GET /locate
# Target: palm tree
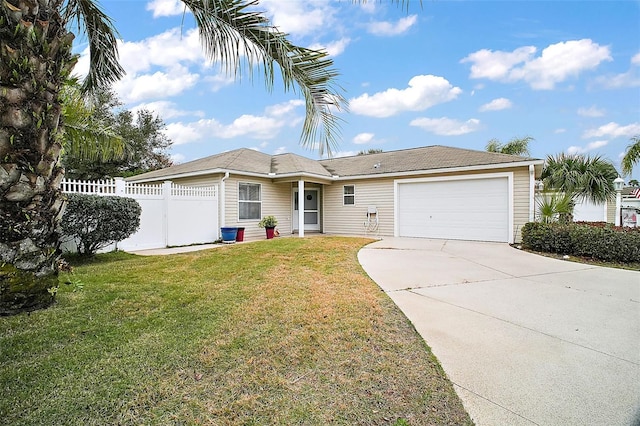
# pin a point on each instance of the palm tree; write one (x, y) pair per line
(632, 156)
(36, 59)
(516, 146)
(581, 176)
(87, 135)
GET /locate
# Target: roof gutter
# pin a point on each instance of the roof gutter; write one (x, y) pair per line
(342, 178)
(227, 172)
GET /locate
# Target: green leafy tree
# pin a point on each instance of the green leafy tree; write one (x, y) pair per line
(631, 156)
(35, 60)
(516, 146)
(581, 176)
(370, 151)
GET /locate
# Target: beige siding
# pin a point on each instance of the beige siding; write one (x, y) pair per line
(521, 201)
(276, 201)
(611, 211)
(349, 220)
(341, 219)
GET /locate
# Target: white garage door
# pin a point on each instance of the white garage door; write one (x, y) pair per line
(469, 209)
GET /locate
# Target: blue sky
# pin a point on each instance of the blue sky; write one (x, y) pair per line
(455, 73)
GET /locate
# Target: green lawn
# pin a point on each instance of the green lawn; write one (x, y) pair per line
(286, 331)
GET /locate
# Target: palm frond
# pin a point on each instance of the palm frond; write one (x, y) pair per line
(493, 145)
(517, 146)
(233, 33)
(583, 176)
(553, 206)
(631, 156)
(104, 67)
(85, 136)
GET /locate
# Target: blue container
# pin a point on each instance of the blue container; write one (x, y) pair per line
(229, 234)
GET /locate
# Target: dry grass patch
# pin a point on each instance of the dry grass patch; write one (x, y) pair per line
(289, 331)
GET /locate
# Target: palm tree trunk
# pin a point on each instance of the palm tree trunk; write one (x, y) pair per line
(35, 57)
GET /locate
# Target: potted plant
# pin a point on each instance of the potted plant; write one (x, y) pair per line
(268, 223)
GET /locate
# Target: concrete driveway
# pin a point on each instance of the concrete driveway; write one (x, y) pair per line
(526, 340)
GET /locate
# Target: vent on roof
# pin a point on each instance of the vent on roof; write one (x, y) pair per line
(377, 165)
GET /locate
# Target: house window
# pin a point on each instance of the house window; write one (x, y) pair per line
(249, 201)
(348, 195)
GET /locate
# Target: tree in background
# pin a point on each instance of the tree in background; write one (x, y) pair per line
(35, 60)
(516, 146)
(89, 133)
(370, 151)
(145, 144)
(631, 156)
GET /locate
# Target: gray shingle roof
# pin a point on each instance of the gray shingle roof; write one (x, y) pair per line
(416, 159)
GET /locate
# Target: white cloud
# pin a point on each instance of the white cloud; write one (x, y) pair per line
(246, 125)
(160, 66)
(557, 63)
(165, 50)
(559, 131)
(363, 138)
(134, 88)
(613, 130)
(266, 126)
(630, 78)
(299, 17)
(166, 7)
(497, 105)
(447, 126)
(178, 158)
(497, 65)
(385, 28)
(284, 108)
(341, 154)
(424, 91)
(334, 48)
(280, 150)
(218, 81)
(573, 150)
(592, 111)
(164, 109)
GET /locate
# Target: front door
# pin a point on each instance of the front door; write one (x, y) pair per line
(311, 210)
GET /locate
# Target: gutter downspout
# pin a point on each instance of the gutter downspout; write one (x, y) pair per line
(222, 202)
(532, 192)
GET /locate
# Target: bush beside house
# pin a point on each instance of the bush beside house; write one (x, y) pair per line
(599, 241)
(95, 221)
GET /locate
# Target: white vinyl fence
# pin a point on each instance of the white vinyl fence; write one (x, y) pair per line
(172, 215)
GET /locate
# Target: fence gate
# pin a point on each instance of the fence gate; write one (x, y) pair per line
(172, 215)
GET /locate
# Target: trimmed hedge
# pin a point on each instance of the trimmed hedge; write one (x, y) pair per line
(95, 221)
(598, 241)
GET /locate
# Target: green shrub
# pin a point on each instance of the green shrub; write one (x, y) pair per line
(548, 237)
(95, 221)
(598, 241)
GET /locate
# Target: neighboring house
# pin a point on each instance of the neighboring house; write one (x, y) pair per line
(588, 211)
(430, 192)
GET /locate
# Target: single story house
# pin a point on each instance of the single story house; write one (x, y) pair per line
(430, 192)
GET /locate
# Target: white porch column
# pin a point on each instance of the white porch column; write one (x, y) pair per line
(301, 208)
